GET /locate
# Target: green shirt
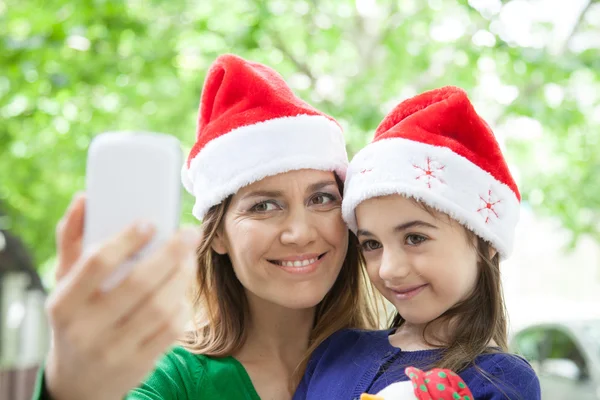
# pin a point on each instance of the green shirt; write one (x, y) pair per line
(181, 375)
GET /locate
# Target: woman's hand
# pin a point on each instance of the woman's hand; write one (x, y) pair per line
(104, 343)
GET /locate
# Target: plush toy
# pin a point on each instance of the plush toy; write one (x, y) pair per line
(437, 384)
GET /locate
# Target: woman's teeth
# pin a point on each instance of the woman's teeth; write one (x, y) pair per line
(302, 263)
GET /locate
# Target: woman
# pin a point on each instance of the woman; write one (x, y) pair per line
(278, 271)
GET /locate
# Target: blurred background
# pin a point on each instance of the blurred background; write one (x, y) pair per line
(70, 70)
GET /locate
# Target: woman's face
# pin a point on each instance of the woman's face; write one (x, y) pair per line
(286, 238)
(423, 263)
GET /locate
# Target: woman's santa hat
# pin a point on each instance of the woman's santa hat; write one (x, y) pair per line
(436, 149)
(251, 126)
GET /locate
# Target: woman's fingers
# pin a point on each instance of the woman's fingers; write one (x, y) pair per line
(76, 289)
(160, 309)
(145, 278)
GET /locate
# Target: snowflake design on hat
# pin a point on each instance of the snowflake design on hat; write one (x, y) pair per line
(429, 171)
(488, 206)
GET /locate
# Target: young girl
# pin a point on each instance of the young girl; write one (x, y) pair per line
(434, 207)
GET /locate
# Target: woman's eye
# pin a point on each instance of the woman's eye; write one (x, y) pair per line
(370, 245)
(321, 199)
(264, 206)
(413, 240)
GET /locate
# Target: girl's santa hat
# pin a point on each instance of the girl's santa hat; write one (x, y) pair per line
(250, 126)
(436, 149)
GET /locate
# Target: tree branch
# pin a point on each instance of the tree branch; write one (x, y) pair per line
(281, 46)
(367, 52)
(577, 25)
(301, 66)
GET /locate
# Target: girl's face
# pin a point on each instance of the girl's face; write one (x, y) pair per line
(286, 238)
(423, 264)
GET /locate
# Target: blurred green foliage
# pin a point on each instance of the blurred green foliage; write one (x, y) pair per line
(70, 70)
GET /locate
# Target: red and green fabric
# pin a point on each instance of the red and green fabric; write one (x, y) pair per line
(438, 384)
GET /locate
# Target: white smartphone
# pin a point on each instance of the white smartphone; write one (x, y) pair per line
(131, 176)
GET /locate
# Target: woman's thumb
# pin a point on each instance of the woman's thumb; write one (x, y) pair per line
(69, 235)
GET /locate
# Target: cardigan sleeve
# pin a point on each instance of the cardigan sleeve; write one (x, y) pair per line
(511, 377)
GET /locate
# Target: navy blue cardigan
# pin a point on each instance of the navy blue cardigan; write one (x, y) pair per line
(352, 362)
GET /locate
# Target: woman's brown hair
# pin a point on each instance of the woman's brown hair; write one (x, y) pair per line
(477, 321)
(221, 308)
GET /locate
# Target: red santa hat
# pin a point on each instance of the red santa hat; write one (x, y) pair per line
(436, 149)
(250, 126)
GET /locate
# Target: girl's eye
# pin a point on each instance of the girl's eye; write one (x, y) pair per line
(413, 239)
(370, 245)
(322, 199)
(264, 206)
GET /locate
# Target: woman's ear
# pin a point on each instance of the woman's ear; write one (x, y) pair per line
(219, 244)
(492, 252)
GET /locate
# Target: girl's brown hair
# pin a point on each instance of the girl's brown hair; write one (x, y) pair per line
(477, 321)
(221, 308)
